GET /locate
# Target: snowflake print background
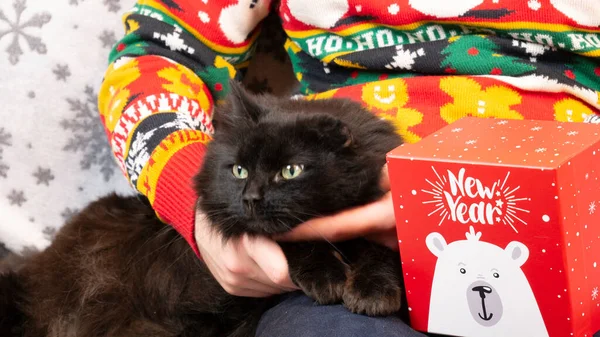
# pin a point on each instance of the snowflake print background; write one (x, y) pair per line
(19, 29)
(88, 135)
(111, 5)
(4, 141)
(54, 158)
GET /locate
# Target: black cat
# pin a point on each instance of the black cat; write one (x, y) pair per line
(116, 270)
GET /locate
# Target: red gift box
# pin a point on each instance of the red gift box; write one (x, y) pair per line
(498, 228)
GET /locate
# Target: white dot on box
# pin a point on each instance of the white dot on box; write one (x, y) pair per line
(414, 192)
(546, 218)
(558, 296)
(595, 264)
(577, 234)
(409, 309)
(401, 206)
(543, 250)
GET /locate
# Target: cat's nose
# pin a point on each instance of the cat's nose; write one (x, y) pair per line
(252, 193)
(250, 201)
(252, 197)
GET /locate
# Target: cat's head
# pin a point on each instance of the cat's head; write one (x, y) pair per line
(275, 163)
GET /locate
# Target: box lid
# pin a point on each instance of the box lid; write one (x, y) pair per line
(521, 143)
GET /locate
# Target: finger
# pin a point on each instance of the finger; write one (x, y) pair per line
(243, 292)
(265, 280)
(384, 182)
(270, 259)
(249, 286)
(237, 281)
(240, 285)
(374, 217)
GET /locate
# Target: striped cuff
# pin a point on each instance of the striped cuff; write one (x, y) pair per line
(174, 199)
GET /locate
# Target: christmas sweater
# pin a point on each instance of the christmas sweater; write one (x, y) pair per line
(421, 64)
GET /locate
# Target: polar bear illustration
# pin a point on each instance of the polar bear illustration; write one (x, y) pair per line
(479, 289)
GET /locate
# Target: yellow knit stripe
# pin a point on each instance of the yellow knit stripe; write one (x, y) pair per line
(159, 158)
(593, 53)
(114, 93)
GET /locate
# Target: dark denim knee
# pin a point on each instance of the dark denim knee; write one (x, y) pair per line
(298, 316)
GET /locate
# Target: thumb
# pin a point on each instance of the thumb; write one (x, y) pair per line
(384, 180)
(269, 257)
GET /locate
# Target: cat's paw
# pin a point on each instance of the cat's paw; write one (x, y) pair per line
(373, 294)
(324, 285)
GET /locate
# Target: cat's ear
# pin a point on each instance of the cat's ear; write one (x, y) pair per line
(331, 131)
(240, 108)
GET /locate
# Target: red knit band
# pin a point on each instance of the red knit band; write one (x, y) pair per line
(175, 197)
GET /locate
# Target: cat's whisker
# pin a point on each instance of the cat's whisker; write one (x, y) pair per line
(329, 242)
(319, 233)
(284, 224)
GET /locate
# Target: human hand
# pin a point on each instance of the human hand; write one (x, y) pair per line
(249, 266)
(374, 221)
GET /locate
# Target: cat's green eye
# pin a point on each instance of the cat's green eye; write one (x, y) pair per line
(291, 171)
(239, 172)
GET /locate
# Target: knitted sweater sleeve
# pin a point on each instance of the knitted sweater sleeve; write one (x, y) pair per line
(156, 100)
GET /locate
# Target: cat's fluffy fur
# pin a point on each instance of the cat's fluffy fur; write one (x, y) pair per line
(116, 270)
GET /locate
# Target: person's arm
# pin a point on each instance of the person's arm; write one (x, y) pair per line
(156, 101)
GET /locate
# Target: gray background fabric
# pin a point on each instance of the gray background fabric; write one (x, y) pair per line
(54, 156)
